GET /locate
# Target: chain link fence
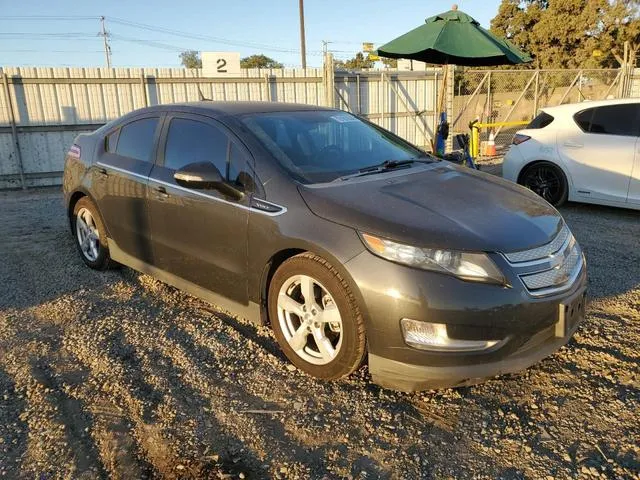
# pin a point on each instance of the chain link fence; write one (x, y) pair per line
(514, 97)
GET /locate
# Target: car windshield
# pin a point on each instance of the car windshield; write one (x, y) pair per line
(322, 145)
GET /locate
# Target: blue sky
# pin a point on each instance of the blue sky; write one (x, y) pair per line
(247, 26)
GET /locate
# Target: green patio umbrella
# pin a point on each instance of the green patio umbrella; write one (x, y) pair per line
(455, 38)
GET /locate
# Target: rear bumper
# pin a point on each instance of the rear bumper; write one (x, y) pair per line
(407, 378)
(512, 164)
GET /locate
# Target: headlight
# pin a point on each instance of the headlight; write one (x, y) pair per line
(477, 267)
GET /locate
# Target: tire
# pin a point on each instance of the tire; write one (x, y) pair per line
(333, 301)
(548, 181)
(96, 255)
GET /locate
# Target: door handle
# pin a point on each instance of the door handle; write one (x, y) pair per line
(161, 192)
(570, 144)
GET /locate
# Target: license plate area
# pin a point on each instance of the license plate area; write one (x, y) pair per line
(570, 312)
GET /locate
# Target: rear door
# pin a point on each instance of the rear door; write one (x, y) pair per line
(599, 150)
(120, 175)
(634, 183)
(201, 235)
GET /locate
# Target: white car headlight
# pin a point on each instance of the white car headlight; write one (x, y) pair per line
(477, 267)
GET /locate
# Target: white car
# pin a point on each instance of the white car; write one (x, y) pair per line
(584, 152)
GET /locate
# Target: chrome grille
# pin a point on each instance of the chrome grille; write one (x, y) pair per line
(551, 268)
(540, 252)
(556, 276)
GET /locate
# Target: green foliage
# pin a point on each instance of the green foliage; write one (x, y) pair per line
(191, 59)
(356, 63)
(259, 61)
(390, 62)
(571, 33)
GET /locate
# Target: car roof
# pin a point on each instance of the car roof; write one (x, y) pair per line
(571, 108)
(232, 108)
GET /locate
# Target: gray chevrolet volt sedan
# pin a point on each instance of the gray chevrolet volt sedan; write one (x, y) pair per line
(350, 242)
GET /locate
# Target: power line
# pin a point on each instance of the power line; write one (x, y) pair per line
(150, 43)
(207, 38)
(48, 17)
(50, 51)
(40, 34)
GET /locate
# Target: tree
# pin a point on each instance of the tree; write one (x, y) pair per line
(191, 59)
(259, 61)
(570, 33)
(390, 62)
(356, 63)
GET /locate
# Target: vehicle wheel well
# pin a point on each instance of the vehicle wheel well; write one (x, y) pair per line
(537, 162)
(72, 202)
(270, 268)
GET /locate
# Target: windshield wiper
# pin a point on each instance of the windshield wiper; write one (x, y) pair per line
(384, 167)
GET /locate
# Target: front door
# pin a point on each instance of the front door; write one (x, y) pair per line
(200, 235)
(600, 153)
(120, 175)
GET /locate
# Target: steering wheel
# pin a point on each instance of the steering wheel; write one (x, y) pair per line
(329, 152)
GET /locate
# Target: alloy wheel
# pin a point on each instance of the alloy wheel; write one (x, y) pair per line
(546, 181)
(87, 234)
(309, 319)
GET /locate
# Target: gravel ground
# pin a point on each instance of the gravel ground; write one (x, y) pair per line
(118, 375)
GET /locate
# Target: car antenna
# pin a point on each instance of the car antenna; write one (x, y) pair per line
(202, 97)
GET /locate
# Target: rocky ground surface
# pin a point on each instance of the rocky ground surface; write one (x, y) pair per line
(118, 375)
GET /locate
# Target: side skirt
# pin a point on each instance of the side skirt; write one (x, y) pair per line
(250, 312)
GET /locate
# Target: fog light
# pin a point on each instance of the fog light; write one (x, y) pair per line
(433, 336)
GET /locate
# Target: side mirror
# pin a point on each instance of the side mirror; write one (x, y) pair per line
(205, 176)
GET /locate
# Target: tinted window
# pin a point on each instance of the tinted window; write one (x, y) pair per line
(110, 142)
(540, 121)
(136, 139)
(583, 119)
(321, 145)
(190, 141)
(615, 120)
(237, 164)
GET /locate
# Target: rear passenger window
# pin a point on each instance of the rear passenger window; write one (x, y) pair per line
(190, 141)
(541, 121)
(110, 142)
(616, 120)
(136, 139)
(583, 119)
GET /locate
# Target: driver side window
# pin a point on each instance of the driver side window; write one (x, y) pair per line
(190, 141)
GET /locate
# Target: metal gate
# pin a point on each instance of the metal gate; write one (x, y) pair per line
(515, 96)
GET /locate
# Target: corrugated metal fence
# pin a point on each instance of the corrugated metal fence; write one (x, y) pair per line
(43, 109)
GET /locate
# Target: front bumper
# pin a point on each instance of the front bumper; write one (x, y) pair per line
(471, 311)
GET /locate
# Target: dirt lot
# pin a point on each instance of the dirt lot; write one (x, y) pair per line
(118, 375)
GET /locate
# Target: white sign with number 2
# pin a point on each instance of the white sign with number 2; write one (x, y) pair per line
(221, 64)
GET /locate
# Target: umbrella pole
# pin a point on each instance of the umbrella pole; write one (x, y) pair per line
(440, 106)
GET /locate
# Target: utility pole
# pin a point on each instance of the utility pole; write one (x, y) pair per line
(107, 47)
(303, 49)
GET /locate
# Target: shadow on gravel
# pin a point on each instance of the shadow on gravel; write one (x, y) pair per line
(315, 458)
(13, 431)
(77, 421)
(248, 331)
(125, 354)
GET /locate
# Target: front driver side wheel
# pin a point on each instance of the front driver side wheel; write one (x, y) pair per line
(548, 181)
(315, 318)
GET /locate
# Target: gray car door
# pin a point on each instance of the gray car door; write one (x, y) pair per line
(119, 177)
(200, 235)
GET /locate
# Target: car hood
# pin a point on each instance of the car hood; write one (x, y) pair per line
(438, 205)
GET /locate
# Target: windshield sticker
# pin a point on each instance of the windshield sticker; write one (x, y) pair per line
(344, 117)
